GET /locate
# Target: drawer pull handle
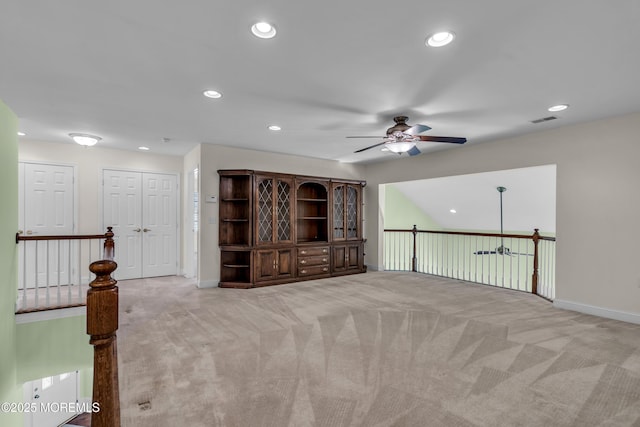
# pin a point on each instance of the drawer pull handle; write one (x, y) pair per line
(324, 260)
(324, 251)
(303, 261)
(324, 269)
(303, 271)
(303, 252)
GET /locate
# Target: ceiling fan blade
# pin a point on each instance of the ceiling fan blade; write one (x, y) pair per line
(485, 253)
(451, 139)
(520, 253)
(416, 129)
(365, 136)
(371, 146)
(414, 151)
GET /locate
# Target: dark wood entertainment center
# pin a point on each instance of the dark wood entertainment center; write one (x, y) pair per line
(281, 228)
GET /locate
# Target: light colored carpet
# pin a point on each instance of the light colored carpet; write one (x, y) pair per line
(375, 349)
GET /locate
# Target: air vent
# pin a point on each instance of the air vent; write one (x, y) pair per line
(544, 119)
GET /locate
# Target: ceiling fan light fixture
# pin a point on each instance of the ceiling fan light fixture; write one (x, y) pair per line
(22, 134)
(263, 30)
(85, 139)
(440, 39)
(275, 128)
(400, 147)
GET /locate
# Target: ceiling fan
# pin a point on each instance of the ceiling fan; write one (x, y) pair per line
(402, 138)
(502, 249)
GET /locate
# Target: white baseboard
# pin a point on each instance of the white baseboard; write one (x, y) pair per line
(598, 311)
(207, 284)
(38, 316)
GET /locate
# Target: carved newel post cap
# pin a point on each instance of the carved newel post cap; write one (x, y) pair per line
(103, 267)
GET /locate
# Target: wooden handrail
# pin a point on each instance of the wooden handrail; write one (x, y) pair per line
(109, 245)
(20, 237)
(102, 324)
(514, 236)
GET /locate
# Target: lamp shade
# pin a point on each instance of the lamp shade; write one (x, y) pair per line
(400, 147)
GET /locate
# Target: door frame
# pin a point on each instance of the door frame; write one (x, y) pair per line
(179, 210)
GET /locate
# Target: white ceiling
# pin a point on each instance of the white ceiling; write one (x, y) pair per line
(133, 72)
(528, 203)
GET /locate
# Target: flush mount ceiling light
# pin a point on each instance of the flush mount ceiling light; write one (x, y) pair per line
(453, 210)
(212, 94)
(400, 146)
(440, 39)
(263, 30)
(275, 127)
(559, 107)
(22, 134)
(85, 139)
(143, 148)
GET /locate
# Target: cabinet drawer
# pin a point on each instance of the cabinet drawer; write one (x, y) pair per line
(313, 271)
(308, 261)
(313, 251)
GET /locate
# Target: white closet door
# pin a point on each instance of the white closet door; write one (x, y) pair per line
(142, 209)
(159, 209)
(122, 197)
(46, 208)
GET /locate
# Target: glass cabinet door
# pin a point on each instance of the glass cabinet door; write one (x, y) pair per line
(352, 212)
(284, 211)
(338, 212)
(273, 210)
(346, 216)
(265, 210)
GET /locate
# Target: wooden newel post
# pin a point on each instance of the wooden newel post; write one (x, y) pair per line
(534, 277)
(109, 245)
(414, 258)
(102, 324)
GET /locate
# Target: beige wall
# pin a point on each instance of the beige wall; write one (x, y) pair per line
(214, 157)
(598, 202)
(89, 164)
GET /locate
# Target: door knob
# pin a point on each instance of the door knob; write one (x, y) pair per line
(20, 231)
(137, 230)
(146, 229)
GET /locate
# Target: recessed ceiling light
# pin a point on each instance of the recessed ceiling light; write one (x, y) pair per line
(275, 127)
(22, 134)
(212, 94)
(143, 148)
(452, 210)
(559, 107)
(85, 139)
(264, 30)
(442, 38)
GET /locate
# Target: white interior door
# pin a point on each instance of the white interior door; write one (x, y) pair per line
(142, 209)
(46, 207)
(159, 220)
(122, 196)
(46, 394)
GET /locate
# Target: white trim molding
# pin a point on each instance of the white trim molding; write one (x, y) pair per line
(202, 284)
(623, 316)
(59, 313)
